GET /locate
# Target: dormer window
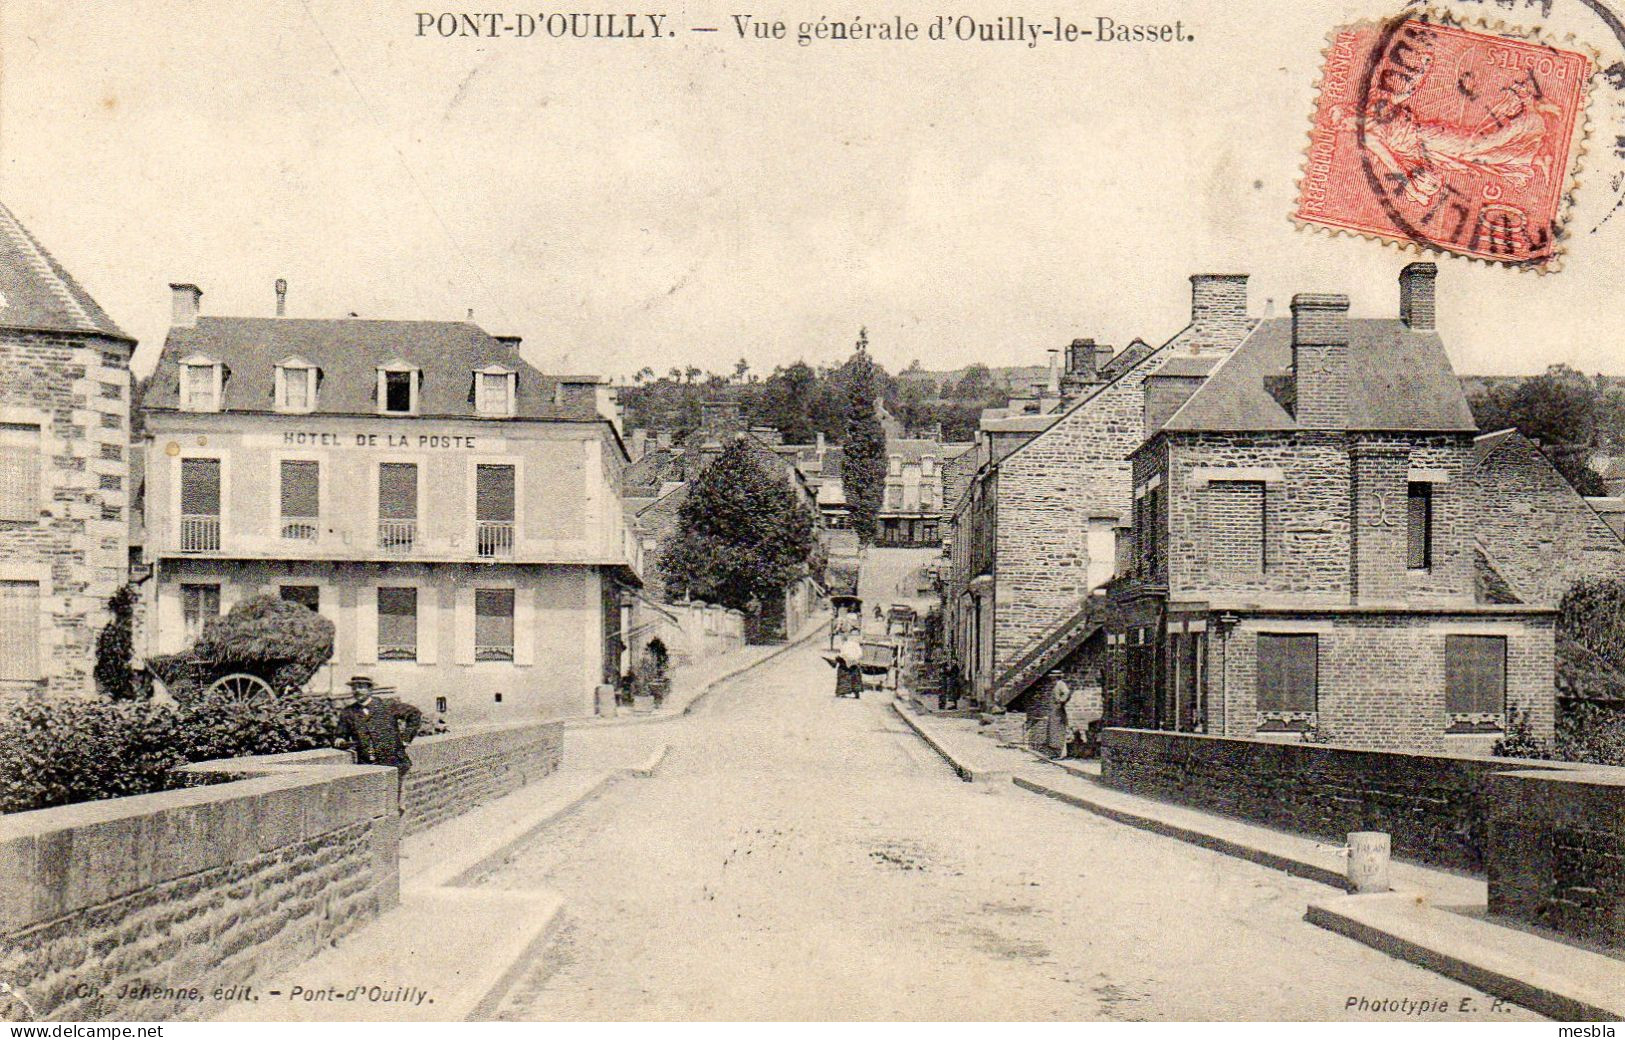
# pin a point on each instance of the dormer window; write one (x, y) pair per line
(201, 384)
(494, 391)
(398, 388)
(296, 386)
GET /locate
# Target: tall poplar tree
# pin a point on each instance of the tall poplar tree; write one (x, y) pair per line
(863, 450)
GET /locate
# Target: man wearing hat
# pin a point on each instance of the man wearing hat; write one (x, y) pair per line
(377, 730)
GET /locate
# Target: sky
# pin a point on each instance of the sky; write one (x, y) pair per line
(701, 199)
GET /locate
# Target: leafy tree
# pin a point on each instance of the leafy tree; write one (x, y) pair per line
(975, 385)
(1562, 409)
(115, 647)
(741, 534)
(863, 462)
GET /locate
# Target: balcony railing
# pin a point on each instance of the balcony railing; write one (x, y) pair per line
(494, 537)
(493, 653)
(397, 535)
(200, 534)
(397, 652)
(300, 528)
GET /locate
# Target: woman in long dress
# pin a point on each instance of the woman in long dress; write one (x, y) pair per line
(848, 673)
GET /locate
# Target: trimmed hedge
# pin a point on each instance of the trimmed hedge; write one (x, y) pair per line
(57, 752)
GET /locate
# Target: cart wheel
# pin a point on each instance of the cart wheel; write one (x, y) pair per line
(241, 689)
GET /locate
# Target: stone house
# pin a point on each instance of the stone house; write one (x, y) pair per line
(453, 511)
(64, 469)
(1035, 534)
(1304, 558)
(1539, 532)
(912, 500)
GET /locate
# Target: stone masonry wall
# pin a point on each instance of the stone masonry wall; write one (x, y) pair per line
(1048, 491)
(1437, 808)
(76, 390)
(1381, 680)
(1541, 535)
(1311, 518)
(1556, 851)
(455, 772)
(190, 890)
(210, 886)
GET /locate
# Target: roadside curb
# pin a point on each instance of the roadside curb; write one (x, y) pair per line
(463, 875)
(969, 771)
(592, 722)
(1275, 861)
(1548, 977)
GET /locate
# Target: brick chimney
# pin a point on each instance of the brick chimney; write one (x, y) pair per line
(281, 297)
(1081, 360)
(1218, 309)
(1416, 295)
(183, 300)
(1320, 355)
(1054, 384)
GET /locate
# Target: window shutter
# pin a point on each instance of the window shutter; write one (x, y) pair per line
(494, 493)
(1419, 526)
(366, 624)
(524, 620)
(398, 626)
(398, 491)
(1270, 681)
(428, 624)
(19, 630)
(1475, 674)
(464, 625)
(1287, 672)
(300, 488)
(200, 487)
(19, 471)
(1302, 680)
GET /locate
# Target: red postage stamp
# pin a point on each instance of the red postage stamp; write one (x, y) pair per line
(1447, 138)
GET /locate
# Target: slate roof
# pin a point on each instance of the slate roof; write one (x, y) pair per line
(1484, 444)
(38, 293)
(348, 352)
(1399, 380)
(1125, 359)
(1187, 366)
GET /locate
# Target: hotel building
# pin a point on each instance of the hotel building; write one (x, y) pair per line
(453, 511)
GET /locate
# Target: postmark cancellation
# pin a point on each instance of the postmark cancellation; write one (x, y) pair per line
(1441, 136)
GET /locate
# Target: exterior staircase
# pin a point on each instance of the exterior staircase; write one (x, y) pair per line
(1049, 650)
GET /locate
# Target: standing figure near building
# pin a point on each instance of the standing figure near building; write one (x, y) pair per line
(377, 730)
(1059, 730)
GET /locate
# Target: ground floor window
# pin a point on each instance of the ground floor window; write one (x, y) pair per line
(199, 603)
(309, 596)
(397, 624)
(493, 624)
(1475, 682)
(19, 630)
(1288, 680)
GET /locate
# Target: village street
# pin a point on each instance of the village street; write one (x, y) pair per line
(802, 857)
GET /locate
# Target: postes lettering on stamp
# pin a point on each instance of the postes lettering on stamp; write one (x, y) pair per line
(1447, 138)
